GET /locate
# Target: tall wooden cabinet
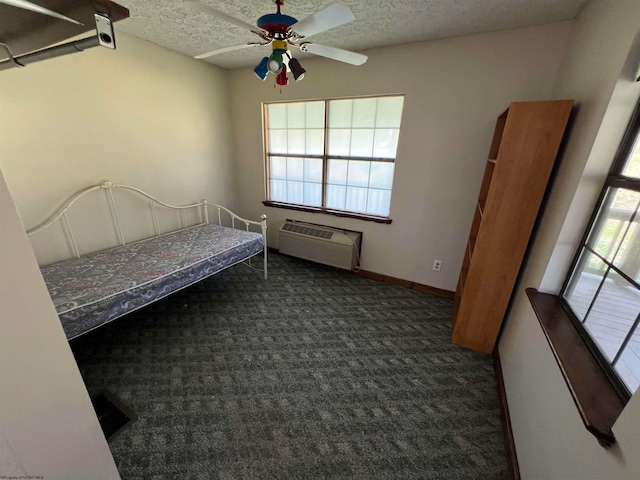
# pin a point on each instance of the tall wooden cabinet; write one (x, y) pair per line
(524, 147)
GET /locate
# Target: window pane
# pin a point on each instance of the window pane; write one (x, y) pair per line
(381, 175)
(313, 194)
(340, 113)
(278, 168)
(628, 257)
(315, 142)
(313, 170)
(389, 112)
(278, 141)
(584, 283)
(337, 172)
(364, 112)
(336, 195)
(278, 190)
(613, 221)
(296, 115)
(296, 141)
(295, 192)
(385, 143)
(356, 199)
(295, 169)
(339, 142)
(632, 168)
(358, 174)
(613, 313)
(628, 366)
(379, 202)
(362, 143)
(277, 115)
(315, 115)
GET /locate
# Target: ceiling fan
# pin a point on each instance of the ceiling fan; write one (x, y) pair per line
(25, 4)
(283, 31)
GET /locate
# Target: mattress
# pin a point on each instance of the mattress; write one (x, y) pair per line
(92, 290)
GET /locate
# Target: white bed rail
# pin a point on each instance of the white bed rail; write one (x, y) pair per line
(203, 207)
(262, 224)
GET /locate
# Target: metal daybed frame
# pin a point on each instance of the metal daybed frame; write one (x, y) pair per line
(93, 289)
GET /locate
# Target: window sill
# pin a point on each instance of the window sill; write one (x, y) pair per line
(595, 397)
(328, 211)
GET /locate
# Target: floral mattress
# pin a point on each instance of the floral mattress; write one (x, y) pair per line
(92, 290)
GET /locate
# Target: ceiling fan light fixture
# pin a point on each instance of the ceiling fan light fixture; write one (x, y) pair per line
(282, 78)
(296, 69)
(275, 63)
(262, 70)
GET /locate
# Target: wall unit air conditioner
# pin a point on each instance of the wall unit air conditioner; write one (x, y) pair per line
(327, 245)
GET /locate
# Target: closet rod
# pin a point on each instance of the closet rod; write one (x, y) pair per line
(51, 52)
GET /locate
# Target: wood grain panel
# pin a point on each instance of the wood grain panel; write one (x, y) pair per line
(531, 136)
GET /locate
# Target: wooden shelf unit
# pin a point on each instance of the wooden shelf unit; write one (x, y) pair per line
(523, 150)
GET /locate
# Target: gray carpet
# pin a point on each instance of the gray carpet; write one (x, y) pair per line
(314, 373)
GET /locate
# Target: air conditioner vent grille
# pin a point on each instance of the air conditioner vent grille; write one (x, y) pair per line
(305, 230)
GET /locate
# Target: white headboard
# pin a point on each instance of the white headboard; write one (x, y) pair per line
(131, 217)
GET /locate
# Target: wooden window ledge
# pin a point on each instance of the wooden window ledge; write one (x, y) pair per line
(596, 398)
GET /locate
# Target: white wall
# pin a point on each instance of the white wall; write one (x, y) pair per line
(140, 115)
(47, 424)
(551, 441)
(455, 89)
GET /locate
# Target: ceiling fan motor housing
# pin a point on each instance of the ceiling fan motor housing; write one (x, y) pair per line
(276, 24)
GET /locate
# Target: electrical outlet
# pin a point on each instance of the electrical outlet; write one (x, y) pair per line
(437, 265)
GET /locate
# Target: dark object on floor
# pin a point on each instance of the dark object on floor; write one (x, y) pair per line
(112, 414)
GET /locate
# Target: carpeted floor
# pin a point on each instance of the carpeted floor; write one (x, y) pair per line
(314, 373)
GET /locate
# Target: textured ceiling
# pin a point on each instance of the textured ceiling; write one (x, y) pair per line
(176, 26)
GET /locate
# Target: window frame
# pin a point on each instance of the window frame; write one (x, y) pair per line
(615, 179)
(325, 157)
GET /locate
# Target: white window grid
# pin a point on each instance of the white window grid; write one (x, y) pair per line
(326, 158)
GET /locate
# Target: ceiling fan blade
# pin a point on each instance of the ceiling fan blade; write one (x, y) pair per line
(201, 7)
(334, 53)
(25, 4)
(227, 49)
(330, 17)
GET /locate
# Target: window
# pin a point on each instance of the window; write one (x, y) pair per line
(603, 289)
(333, 155)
